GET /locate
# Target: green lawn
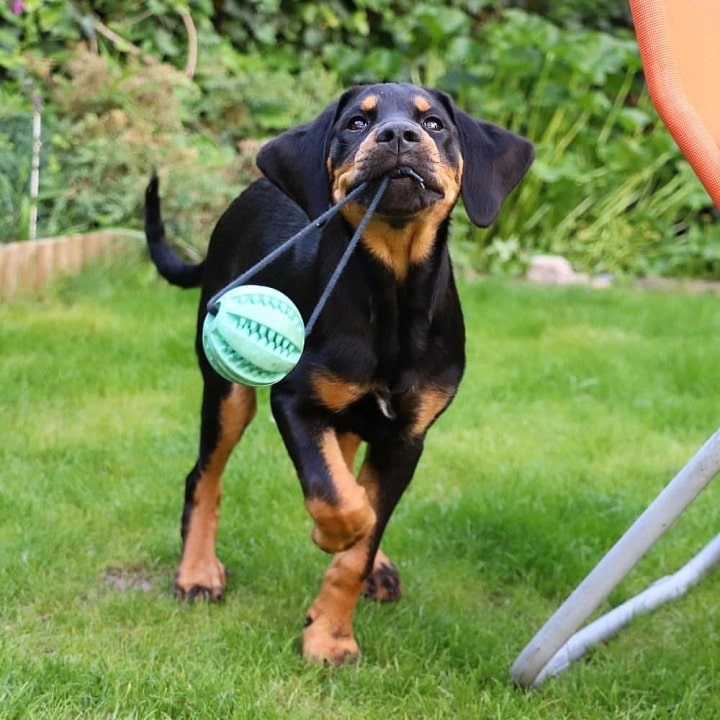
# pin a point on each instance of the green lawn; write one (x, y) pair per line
(577, 408)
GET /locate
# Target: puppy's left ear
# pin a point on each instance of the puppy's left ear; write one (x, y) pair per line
(495, 160)
(296, 162)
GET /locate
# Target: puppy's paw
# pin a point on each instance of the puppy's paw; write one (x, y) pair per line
(383, 584)
(201, 582)
(326, 641)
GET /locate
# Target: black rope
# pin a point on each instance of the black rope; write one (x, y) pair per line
(346, 256)
(213, 304)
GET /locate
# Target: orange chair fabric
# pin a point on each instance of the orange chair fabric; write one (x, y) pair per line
(679, 43)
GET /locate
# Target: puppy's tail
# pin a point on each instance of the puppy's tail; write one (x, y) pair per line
(169, 264)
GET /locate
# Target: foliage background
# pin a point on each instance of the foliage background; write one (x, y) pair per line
(122, 93)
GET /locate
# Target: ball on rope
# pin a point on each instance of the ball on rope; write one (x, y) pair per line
(254, 335)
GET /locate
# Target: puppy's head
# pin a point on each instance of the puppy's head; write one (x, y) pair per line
(431, 150)
(402, 132)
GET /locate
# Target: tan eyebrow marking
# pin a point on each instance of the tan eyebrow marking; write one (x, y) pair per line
(422, 104)
(369, 103)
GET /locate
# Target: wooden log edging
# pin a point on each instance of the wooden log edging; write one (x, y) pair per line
(28, 266)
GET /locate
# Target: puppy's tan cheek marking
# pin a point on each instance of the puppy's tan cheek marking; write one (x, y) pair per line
(344, 176)
(341, 179)
(448, 179)
(447, 176)
(454, 175)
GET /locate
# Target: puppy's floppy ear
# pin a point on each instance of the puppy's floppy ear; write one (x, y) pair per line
(296, 162)
(495, 161)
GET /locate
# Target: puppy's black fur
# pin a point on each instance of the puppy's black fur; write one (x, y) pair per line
(387, 353)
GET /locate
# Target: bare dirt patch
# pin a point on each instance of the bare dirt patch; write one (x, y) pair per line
(124, 579)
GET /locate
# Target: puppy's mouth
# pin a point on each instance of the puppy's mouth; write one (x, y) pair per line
(408, 192)
(407, 172)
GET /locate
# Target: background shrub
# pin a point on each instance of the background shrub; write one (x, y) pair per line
(122, 94)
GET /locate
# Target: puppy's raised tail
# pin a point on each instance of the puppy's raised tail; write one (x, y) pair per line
(169, 264)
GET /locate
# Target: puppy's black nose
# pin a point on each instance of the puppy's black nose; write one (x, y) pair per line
(398, 136)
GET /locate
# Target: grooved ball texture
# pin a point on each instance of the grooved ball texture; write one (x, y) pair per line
(256, 337)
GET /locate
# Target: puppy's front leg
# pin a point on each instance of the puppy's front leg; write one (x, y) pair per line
(339, 506)
(328, 635)
(345, 523)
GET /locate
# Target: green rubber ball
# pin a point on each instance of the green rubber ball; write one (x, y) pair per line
(256, 336)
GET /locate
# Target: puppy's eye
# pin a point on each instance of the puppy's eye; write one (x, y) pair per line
(357, 123)
(433, 124)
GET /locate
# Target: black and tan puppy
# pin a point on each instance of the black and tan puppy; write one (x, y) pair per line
(387, 353)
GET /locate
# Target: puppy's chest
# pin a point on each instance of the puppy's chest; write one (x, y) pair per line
(381, 370)
(394, 339)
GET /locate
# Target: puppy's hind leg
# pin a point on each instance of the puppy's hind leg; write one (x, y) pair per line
(383, 583)
(227, 409)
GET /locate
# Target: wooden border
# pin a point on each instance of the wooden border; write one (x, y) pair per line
(27, 267)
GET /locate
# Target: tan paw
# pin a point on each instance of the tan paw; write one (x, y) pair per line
(201, 582)
(324, 643)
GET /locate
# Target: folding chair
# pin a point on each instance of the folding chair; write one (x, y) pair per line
(679, 43)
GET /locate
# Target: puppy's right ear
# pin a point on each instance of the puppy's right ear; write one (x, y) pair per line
(296, 162)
